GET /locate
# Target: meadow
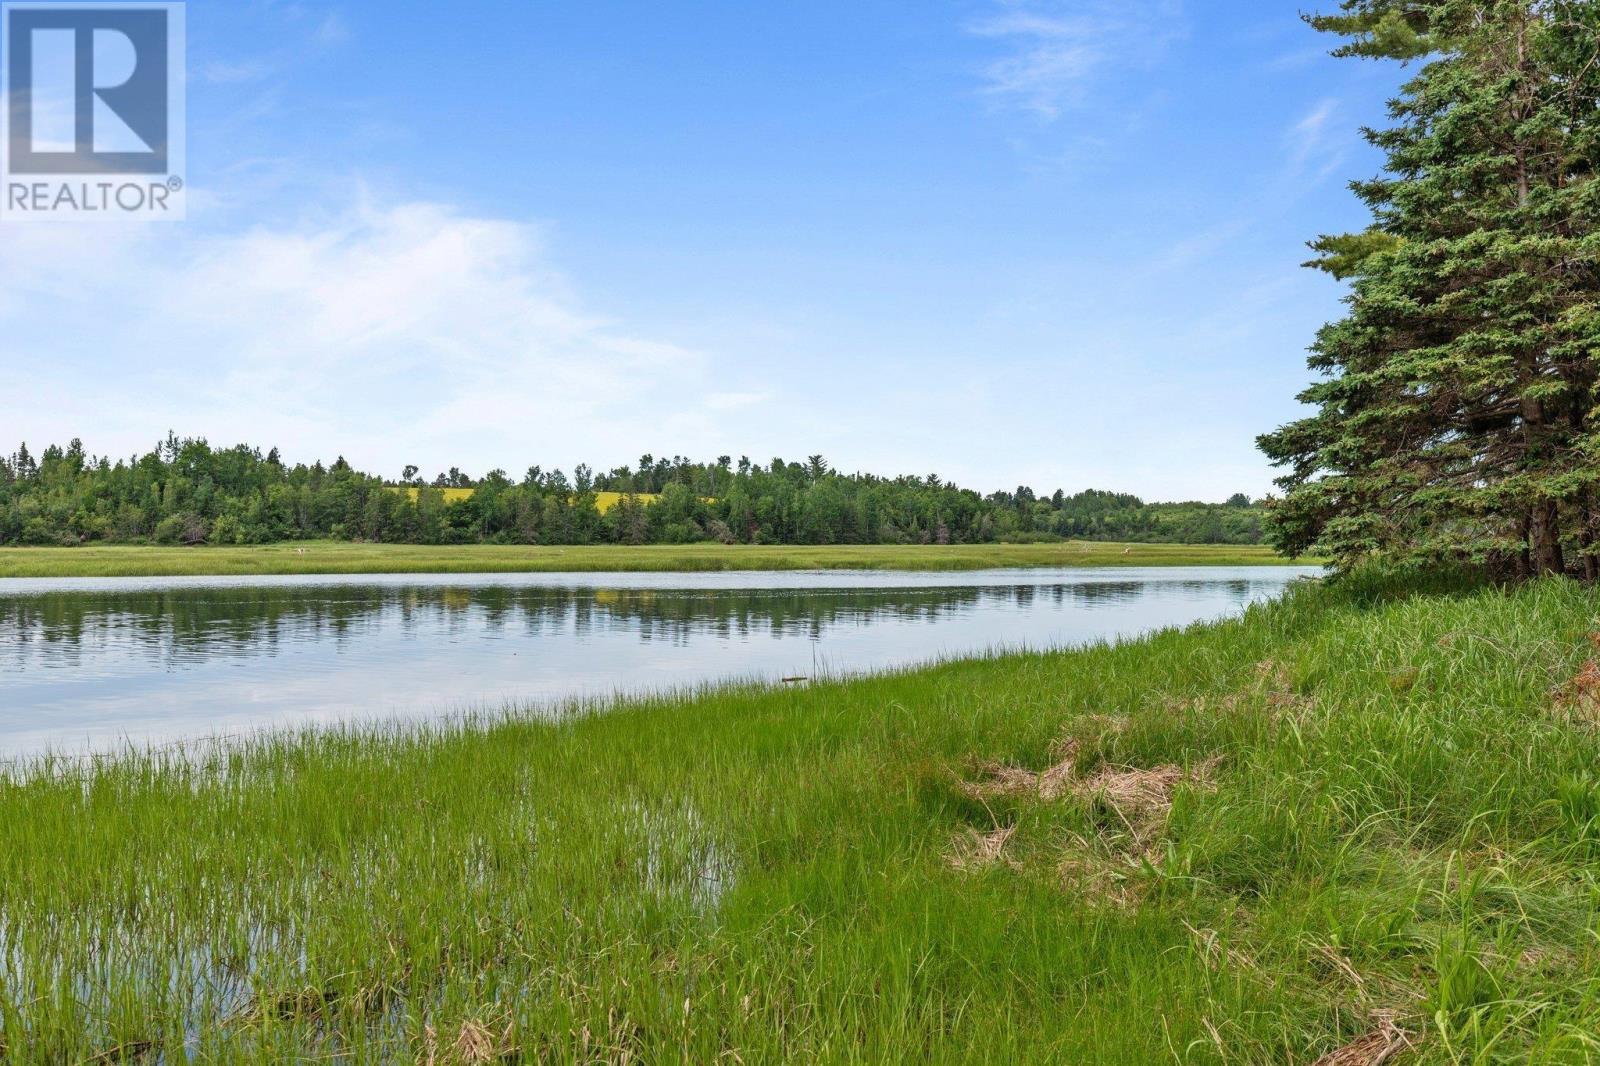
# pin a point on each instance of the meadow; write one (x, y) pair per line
(1364, 818)
(340, 557)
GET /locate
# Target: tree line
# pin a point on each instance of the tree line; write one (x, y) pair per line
(184, 491)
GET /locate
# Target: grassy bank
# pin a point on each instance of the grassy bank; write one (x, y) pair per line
(330, 557)
(1345, 818)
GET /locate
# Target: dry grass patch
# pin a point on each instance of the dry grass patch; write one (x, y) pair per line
(1109, 868)
(1578, 700)
(1142, 797)
(476, 1043)
(999, 779)
(1375, 1047)
(1132, 790)
(975, 850)
(1136, 794)
(1102, 876)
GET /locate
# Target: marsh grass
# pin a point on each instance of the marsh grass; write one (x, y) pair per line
(1360, 821)
(339, 557)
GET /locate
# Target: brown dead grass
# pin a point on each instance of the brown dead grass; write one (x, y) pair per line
(1135, 793)
(1109, 869)
(1337, 965)
(1132, 790)
(1578, 700)
(1375, 1047)
(1104, 876)
(477, 1043)
(1112, 869)
(1142, 796)
(974, 850)
(999, 779)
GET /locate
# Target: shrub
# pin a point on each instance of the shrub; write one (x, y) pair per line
(1030, 537)
(181, 528)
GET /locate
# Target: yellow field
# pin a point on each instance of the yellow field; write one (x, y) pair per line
(603, 501)
(450, 495)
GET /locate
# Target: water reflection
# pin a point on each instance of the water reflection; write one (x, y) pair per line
(91, 662)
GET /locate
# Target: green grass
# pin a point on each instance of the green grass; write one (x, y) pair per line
(1394, 805)
(331, 557)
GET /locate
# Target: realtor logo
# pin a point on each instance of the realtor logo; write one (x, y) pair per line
(93, 110)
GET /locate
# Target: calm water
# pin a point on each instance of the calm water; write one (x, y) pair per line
(98, 663)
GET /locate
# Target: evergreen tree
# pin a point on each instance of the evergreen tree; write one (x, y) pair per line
(1454, 415)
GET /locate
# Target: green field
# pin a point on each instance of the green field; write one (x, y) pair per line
(335, 557)
(1350, 818)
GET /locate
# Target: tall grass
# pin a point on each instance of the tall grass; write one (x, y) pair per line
(333, 557)
(1389, 828)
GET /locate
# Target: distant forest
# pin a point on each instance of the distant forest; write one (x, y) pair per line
(187, 492)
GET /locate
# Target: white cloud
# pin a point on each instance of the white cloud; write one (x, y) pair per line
(1309, 144)
(389, 333)
(1199, 246)
(1054, 50)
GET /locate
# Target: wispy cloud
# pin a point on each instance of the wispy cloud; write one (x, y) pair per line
(1054, 51)
(1200, 246)
(451, 336)
(1313, 152)
(331, 30)
(316, 31)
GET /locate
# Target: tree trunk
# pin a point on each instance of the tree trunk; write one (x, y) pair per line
(1544, 520)
(1586, 525)
(1544, 539)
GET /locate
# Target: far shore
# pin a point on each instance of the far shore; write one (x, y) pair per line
(338, 557)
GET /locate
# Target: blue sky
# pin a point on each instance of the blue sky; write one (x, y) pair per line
(1052, 243)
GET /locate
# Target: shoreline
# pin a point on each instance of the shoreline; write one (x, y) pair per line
(338, 557)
